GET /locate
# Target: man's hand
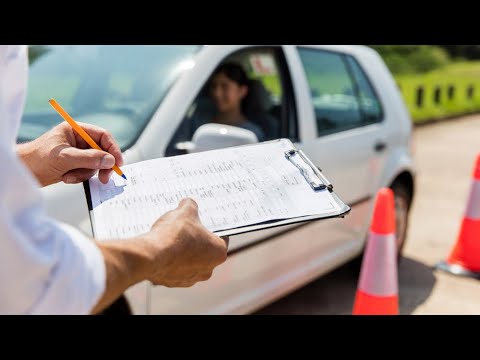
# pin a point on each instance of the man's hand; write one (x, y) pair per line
(183, 250)
(62, 155)
(177, 252)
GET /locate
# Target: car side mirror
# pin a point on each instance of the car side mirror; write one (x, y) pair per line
(217, 136)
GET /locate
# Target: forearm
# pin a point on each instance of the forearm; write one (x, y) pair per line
(126, 263)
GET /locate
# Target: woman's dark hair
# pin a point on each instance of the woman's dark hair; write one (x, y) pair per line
(249, 105)
(234, 72)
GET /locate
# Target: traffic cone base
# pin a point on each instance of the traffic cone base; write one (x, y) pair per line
(366, 304)
(456, 269)
(466, 253)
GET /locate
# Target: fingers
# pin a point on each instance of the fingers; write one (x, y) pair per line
(104, 175)
(178, 284)
(205, 276)
(77, 176)
(86, 158)
(185, 283)
(226, 239)
(104, 139)
(223, 248)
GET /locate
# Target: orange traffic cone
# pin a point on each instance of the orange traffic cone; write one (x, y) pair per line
(464, 258)
(377, 292)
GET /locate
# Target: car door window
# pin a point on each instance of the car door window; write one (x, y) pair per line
(265, 107)
(333, 91)
(369, 103)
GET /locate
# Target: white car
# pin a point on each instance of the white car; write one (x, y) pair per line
(339, 104)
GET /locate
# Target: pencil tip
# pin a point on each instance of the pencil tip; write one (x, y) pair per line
(123, 175)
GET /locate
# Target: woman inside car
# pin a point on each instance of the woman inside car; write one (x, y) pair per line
(223, 101)
(228, 88)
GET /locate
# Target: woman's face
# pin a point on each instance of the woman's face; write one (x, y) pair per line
(226, 93)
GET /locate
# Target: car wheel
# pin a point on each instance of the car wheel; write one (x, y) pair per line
(402, 207)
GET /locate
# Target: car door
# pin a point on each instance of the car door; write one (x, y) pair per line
(348, 139)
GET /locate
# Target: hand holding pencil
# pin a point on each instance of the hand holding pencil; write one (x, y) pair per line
(71, 152)
(82, 133)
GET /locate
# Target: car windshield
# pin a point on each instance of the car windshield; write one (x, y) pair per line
(115, 87)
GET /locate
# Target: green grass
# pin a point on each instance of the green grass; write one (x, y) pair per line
(460, 76)
(271, 83)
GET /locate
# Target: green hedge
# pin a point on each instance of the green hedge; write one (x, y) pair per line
(412, 59)
(459, 76)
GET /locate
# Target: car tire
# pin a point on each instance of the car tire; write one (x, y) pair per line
(403, 201)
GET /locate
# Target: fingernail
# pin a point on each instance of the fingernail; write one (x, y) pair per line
(68, 179)
(107, 162)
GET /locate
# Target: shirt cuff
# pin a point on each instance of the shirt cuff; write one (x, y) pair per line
(95, 262)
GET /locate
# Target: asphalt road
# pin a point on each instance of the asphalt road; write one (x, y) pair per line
(445, 153)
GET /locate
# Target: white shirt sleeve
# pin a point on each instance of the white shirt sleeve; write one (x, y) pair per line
(45, 267)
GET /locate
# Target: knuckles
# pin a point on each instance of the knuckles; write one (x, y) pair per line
(206, 276)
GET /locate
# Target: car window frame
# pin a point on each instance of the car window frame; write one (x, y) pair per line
(289, 113)
(288, 101)
(357, 87)
(353, 79)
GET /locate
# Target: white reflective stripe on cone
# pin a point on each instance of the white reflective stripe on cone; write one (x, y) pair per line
(473, 207)
(379, 268)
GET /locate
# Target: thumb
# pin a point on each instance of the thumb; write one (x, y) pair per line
(189, 206)
(88, 159)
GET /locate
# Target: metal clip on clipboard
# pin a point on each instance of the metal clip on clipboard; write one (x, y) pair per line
(314, 177)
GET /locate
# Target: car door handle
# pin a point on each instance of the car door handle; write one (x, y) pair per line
(380, 146)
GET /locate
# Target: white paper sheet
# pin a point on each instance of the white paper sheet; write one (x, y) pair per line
(233, 187)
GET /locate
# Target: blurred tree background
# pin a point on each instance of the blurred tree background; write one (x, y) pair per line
(409, 59)
(470, 52)
(436, 81)
(35, 52)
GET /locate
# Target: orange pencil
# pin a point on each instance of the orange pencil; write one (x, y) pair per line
(81, 132)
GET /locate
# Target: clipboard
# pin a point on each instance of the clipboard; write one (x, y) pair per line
(311, 174)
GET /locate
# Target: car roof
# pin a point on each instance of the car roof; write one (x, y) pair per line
(359, 50)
